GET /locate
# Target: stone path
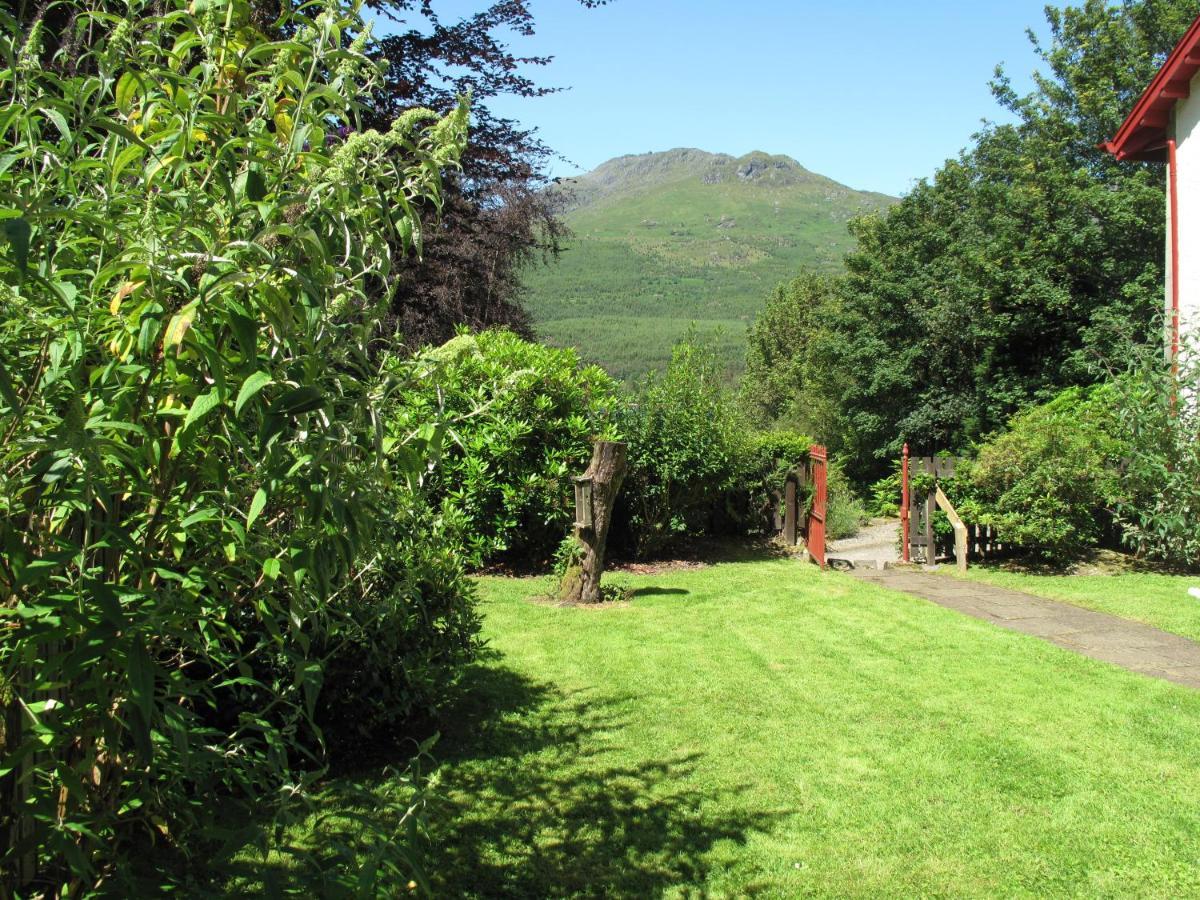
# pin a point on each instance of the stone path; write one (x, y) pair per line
(874, 545)
(1131, 645)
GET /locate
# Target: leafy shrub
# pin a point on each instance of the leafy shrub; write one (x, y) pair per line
(1158, 506)
(885, 495)
(193, 270)
(407, 629)
(524, 417)
(696, 465)
(688, 448)
(773, 456)
(1051, 481)
(845, 512)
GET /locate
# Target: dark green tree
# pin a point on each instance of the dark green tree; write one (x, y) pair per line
(495, 217)
(1015, 270)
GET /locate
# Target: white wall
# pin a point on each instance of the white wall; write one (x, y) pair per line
(1187, 138)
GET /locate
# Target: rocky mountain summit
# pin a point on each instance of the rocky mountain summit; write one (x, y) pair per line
(666, 243)
(640, 172)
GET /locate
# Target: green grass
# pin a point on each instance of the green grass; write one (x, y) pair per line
(679, 236)
(1158, 600)
(762, 729)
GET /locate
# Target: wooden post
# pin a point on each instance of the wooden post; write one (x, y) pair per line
(905, 503)
(930, 537)
(598, 488)
(960, 530)
(814, 533)
(791, 511)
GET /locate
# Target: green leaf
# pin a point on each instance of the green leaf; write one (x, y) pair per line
(127, 89)
(256, 507)
(256, 187)
(179, 325)
(18, 233)
(121, 130)
(204, 515)
(141, 692)
(271, 568)
(251, 386)
(59, 121)
(201, 407)
(124, 158)
(298, 400)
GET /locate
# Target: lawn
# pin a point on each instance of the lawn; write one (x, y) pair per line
(1158, 600)
(764, 729)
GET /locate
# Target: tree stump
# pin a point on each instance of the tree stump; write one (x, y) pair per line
(595, 495)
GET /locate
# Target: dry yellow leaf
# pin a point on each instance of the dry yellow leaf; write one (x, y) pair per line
(122, 292)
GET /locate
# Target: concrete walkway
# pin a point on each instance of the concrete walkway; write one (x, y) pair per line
(1131, 645)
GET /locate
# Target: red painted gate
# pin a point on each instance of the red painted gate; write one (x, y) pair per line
(818, 465)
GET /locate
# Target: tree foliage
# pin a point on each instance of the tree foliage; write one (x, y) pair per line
(1052, 480)
(688, 444)
(496, 218)
(1009, 275)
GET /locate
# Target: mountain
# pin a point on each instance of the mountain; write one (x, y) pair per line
(664, 240)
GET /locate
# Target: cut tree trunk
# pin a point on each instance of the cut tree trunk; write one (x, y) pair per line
(581, 582)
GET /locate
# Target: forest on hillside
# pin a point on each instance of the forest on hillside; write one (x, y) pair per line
(661, 243)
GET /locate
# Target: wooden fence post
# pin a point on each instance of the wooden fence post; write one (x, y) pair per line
(791, 510)
(905, 508)
(960, 530)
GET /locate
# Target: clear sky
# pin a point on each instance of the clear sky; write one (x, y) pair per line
(872, 93)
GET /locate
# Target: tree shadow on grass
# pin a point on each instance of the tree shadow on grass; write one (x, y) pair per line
(660, 592)
(537, 800)
(533, 797)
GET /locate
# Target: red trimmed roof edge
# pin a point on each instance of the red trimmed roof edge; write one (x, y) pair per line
(1144, 134)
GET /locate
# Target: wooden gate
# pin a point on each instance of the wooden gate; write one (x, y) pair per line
(818, 465)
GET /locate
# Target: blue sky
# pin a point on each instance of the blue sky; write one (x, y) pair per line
(874, 94)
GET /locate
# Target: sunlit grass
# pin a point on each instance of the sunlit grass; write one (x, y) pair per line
(764, 729)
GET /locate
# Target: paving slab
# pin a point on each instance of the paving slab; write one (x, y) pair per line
(1130, 645)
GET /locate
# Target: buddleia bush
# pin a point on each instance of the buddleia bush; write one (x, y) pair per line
(192, 461)
(1158, 410)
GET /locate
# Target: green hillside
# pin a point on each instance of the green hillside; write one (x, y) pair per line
(662, 240)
